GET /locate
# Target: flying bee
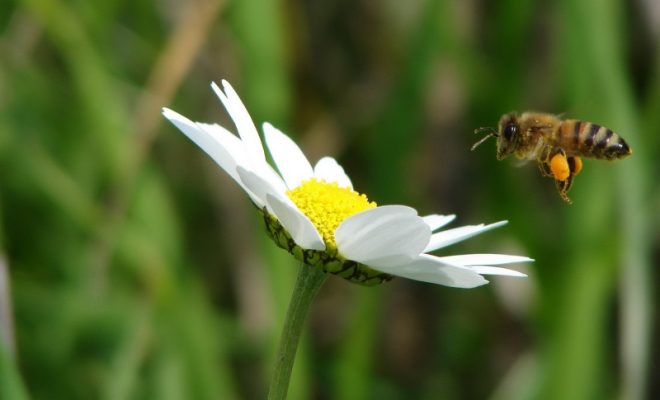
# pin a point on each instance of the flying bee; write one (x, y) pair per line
(555, 144)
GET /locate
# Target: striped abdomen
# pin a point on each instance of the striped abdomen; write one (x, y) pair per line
(591, 140)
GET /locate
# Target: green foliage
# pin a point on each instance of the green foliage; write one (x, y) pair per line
(139, 271)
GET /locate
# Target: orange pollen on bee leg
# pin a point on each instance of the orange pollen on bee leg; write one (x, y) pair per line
(559, 167)
(578, 165)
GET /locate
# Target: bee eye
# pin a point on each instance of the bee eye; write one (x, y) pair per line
(510, 131)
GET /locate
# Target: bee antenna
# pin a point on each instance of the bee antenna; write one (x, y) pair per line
(490, 129)
(491, 132)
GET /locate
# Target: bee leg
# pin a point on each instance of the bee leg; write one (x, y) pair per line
(544, 167)
(574, 166)
(563, 187)
(563, 170)
(543, 161)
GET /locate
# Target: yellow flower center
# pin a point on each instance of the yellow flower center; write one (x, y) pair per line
(327, 205)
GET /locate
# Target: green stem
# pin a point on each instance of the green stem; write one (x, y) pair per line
(308, 283)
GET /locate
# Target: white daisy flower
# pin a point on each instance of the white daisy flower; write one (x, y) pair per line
(314, 213)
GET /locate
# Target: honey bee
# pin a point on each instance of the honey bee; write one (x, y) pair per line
(555, 144)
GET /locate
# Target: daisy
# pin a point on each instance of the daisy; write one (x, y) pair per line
(314, 213)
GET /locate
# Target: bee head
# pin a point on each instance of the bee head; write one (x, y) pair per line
(508, 135)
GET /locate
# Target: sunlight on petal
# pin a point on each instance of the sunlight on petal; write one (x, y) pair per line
(328, 169)
(451, 236)
(290, 160)
(388, 234)
(239, 114)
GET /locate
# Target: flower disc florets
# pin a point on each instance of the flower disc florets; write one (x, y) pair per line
(326, 205)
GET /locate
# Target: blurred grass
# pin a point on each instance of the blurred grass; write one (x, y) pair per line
(581, 350)
(11, 385)
(138, 272)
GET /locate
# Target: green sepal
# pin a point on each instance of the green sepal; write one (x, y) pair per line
(328, 260)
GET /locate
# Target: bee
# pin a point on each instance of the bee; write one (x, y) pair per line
(555, 144)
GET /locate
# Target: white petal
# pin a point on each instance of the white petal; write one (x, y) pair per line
(451, 236)
(290, 160)
(228, 140)
(259, 186)
(224, 149)
(435, 221)
(329, 170)
(239, 114)
(488, 270)
(211, 146)
(484, 259)
(300, 228)
(267, 172)
(222, 152)
(430, 269)
(383, 236)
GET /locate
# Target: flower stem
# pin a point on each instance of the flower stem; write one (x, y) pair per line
(308, 283)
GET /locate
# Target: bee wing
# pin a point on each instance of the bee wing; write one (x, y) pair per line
(542, 129)
(520, 163)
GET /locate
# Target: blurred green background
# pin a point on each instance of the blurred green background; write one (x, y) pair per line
(133, 268)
